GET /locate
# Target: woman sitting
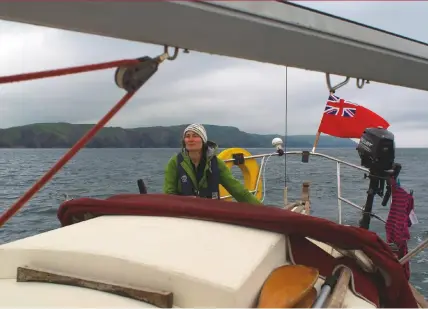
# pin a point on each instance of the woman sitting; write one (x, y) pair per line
(196, 170)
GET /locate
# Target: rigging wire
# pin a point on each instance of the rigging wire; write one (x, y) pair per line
(285, 137)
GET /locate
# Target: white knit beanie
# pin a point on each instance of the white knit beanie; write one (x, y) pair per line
(198, 129)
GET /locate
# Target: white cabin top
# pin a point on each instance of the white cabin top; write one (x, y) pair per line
(203, 263)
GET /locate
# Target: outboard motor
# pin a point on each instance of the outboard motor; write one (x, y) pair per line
(377, 149)
(377, 153)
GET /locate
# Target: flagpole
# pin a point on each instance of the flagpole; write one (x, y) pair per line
(317, 137)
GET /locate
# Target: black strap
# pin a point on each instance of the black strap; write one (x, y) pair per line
(186, 183)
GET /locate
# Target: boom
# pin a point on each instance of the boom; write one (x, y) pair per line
(266, 31)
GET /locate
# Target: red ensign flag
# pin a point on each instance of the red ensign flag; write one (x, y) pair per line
(348, 120)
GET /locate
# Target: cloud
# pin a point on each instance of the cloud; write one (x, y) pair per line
(198, 87)
(389, 16)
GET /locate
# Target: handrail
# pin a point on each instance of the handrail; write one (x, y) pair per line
(340, 199)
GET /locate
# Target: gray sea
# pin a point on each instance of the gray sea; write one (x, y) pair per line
(104, 172)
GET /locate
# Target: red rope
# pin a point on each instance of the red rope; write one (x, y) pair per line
(69, 155)
(80, 143)
(66, 71)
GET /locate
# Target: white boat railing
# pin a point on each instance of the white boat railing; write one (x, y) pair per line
(265, 157)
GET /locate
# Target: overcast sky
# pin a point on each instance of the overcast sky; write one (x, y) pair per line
(205, 84)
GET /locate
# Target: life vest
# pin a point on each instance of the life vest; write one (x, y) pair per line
(213, 180)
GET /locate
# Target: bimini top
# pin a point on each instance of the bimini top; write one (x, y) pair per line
(267, 31)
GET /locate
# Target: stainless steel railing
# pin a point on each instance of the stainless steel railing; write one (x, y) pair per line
(340, 198)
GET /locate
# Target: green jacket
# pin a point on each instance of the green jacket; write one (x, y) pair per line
(172, 184)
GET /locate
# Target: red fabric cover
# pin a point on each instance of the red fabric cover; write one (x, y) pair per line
(396, 294)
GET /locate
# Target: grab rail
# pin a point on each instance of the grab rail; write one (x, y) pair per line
(340, 199)
(339, 162)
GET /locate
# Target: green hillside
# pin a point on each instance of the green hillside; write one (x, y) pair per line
(64, 135)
